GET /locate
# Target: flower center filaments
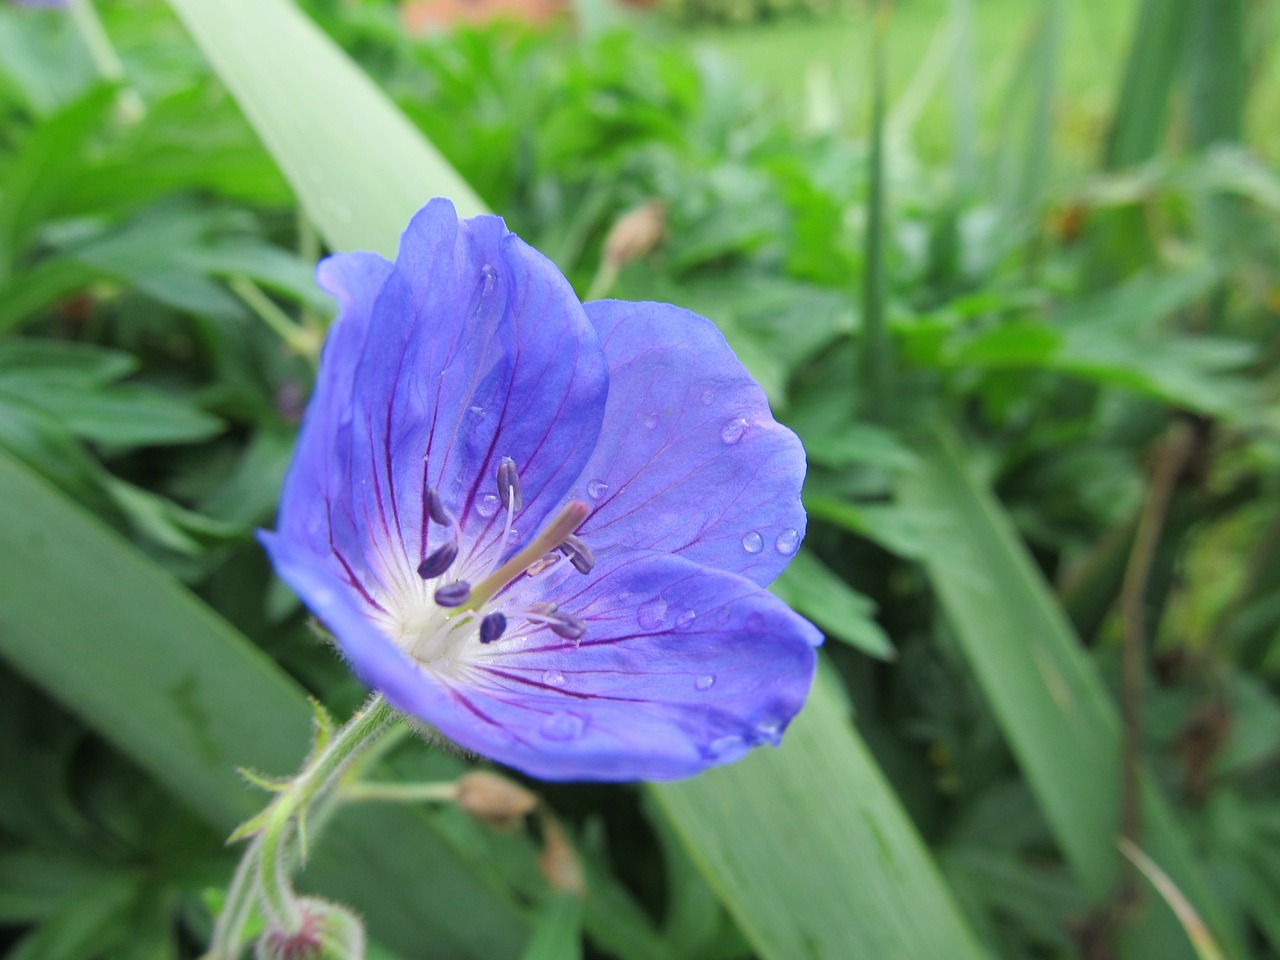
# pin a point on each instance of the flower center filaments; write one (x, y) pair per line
(444, 616)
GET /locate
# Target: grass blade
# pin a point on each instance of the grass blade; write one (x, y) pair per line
(810, 851)
(876, 358)
(189, 699)
(358, 165)
(1155, 60)
(1051, 704)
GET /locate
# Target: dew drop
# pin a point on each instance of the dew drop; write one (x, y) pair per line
(704, 683)
(686, 618)
(734, 430)
(488, 505)
(478, 412)
(553, 678)
(650, 421)
(767, 731)
(708, 395)
(721, 746)
(787, 542)
(561, 727)
(597, 489)
(752, 542)
(652, 614)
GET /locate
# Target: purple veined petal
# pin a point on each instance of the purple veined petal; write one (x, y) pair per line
(482, 352)
(371, 653)
(682, 667)
(315, 489)
(690, 460)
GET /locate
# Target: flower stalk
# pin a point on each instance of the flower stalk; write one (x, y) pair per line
(264, 872)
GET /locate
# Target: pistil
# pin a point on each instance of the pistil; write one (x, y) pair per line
(564, 525)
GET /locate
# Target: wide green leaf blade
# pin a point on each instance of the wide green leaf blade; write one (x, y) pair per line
(125, 646)
(1050, 702)
(357, 164)
(811, 852)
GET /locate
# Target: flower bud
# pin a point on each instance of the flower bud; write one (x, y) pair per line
(327, 932)
(559, 861)
(494, 800)
(636, 233)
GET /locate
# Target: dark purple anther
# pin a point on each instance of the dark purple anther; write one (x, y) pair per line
(438, 560)
(435, 509)
(453, 594)
(492, 627)
(509, 484)
(579, 553)
(567, 625)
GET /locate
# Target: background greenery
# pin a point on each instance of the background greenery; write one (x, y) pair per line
(1015, 287)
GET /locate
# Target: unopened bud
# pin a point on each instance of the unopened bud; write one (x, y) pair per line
(494, 800)
(636, 233)
(559, 861)
(327, 932)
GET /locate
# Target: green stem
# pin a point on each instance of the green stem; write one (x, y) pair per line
(105, 59)
(402, 792)
(297, 338)
(317, 779)
(227, 941)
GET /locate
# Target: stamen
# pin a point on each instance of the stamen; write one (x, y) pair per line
(509, 483)
(435, 508)
(568, 626)
(492, 627)
(564, 525)
(579, 553)
(453, 594)
(562, 624)
(438, 560)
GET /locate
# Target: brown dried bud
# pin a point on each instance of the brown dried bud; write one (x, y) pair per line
(636, 233)
(494, 800)
(559, 861)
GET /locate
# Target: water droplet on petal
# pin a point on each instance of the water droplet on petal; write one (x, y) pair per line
(478, 412)
(708, 394)
(488, 505)
(597, 489)
(652, 614)
(752, 542)
(721, 746)
(704, 683)
(553, 678)
(723, 615)
(562, 726)
(767, 731)
(734, 430)
(686, 618)
(787, 542)
(650, 421)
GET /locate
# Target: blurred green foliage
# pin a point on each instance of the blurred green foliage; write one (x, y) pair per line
(1056, 346)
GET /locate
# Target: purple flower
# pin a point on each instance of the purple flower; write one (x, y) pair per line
(542, 527)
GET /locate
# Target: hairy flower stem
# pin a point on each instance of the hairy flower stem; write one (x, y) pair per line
(269, 859)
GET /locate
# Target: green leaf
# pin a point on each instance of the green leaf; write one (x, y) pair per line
(1155, 59)
(44, 163)
(359, 167)
(558, 933)
(190, 700)
(811, 852)
(1054, 711)
(813, 590)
